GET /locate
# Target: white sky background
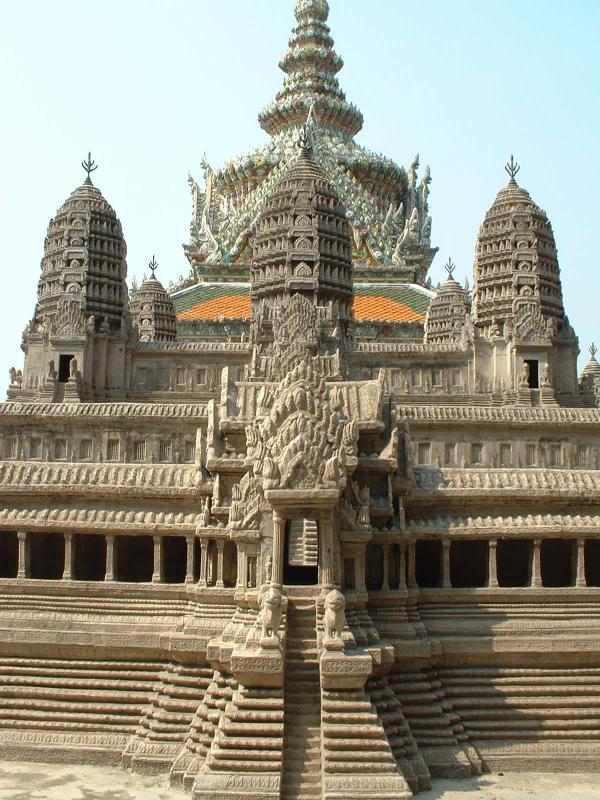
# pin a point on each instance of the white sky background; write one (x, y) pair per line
(151, 85)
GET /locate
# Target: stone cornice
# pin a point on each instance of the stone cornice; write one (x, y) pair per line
(98, 479)
(504, 414)
(584, 484)
(147, 348)
(82, 518)
(108, 411)
(515, 525)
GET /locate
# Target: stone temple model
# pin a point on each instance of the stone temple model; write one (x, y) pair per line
(302, 526)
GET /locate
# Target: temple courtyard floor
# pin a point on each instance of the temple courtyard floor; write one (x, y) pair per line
(21, 781)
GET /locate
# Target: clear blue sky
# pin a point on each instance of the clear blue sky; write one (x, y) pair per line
(149, 86)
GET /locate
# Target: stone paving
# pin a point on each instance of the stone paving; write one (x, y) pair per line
(24, 781)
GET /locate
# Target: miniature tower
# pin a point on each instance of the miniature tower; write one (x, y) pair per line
(523, 336)
(152, 310)
(79, 326)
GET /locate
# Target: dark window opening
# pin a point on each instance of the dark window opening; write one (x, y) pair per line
(135, 558)
(534, 373)
(513, 559)
(229, 565)
(197, 559)
(374, 567)
(557, 557)
(469, 563)
(592, 562)
(9, 554)
(174, 556)
(294, 575)
(394, 567)
(89, 557)
(428, 563)
(63, 368)
(349, 574)
(47, 556)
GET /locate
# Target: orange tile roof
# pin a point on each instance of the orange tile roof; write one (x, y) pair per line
(386, 302)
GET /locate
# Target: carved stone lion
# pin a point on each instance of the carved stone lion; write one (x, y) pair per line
(334, 620)
(270, 616)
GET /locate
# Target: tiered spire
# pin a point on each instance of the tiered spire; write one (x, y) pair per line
(311, 66)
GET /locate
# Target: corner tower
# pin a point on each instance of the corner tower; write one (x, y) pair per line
(74, 344)
(517, 298)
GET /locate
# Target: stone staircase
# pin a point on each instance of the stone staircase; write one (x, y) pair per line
(75, 709)
(166, 723)
(546, 719)
(434, 724)
(302, 703)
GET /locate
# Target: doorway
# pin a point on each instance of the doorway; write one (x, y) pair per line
(300, 567)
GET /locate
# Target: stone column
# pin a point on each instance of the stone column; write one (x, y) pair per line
(203, 582)
(412, 565)
(446, 564)
(385, 586)
(536, 564)
(157, 571)
(493, 564)
(278, 543)
(242, 568)
(326, 550)
(402, 566)
(580, 564)
(220, 548)
(110, 557)
(23, 565)
(189, 568)
(68, 565)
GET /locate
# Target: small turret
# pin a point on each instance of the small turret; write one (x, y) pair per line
(152, 310)
(448, 313)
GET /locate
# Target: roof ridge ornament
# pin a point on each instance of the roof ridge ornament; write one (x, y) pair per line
(593, 351)
(89, 166)
(153, 266)
(308, 138)
(513, 169)
(450, 268)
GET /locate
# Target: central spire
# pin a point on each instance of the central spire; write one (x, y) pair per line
(311, 66)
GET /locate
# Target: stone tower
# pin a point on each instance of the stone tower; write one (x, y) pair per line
(74, 345)
(524, 338)
(302, 248)
(152, 310)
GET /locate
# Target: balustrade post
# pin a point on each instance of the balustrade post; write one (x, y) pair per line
(580, 564)
(68, 564)
(157, 571)
(189, 566)
(110, 557)
(493, 564)
(536, 565)
(220, 550)
(23, 566)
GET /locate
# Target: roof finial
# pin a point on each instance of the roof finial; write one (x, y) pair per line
(307, 136)
(89, 166)
(450, 267)
(513, 169)
(153, 266)
(593, 351)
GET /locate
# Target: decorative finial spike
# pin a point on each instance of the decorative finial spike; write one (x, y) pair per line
(89, 166)
(450, 267)
(512, 169)
(308, 137)
(593, 350)
(153, 266)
